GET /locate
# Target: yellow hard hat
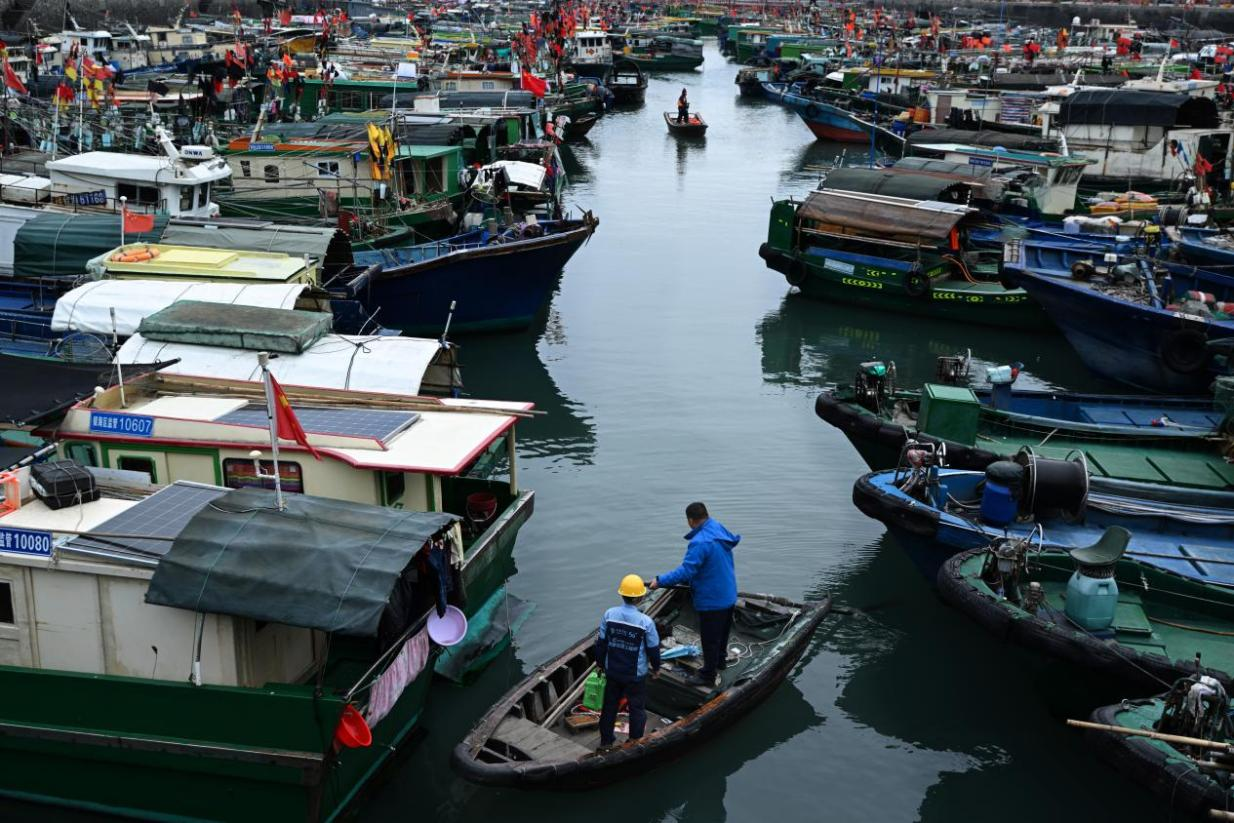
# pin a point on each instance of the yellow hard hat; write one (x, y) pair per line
(632, 586)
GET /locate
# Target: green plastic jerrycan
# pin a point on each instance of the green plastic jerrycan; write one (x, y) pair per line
(593, 690)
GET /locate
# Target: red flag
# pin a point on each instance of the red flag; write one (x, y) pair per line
(12, 80)
(137, 223)
(286, 426)
(536, 85)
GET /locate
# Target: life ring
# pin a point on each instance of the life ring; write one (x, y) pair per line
(795, 274)
(813, 110)
(1185, 351)
(917, 284)
(1082, 270)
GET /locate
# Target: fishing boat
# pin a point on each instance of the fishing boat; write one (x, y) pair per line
(936, 512)
(893, 253)
(627, 82)
(277, 654)
(832, 123)
(1127, 326)
(694, 127)
(1095, 608)
(578, 127)
(750, 79)
(1127, 440)
(1166, 743)
(662, 52)
(494, 280)
(540, 736)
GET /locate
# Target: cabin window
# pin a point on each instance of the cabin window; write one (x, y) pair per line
(271, 173)
(82, 453)
(327, 168)
(140, 195)
(347, 100)
(186, 198)
(238, 474)
(132, 463)
(246, 168)
(203, 195)
(7, 615)
(393, 485)
(488, 85)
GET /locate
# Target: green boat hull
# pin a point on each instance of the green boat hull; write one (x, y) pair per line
(886, 288)
(166, 750)
(668, 62)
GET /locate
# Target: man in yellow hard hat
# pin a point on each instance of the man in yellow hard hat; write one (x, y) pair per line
(628, 647)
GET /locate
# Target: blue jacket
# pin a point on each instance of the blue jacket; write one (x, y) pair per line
(708, 567)
(627, 644)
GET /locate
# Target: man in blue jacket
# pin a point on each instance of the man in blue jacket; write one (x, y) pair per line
(628, 647)
(708, 570)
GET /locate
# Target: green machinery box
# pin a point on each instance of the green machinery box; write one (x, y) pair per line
(950, 413)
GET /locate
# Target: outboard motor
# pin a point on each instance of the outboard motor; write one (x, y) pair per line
(1092, 592)
(952, 369)
(1053, 487)
(1001, 379)
(874, 381)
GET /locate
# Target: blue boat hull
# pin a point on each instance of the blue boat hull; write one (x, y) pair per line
(1162, 539)
(495, 288)
(1149, 348)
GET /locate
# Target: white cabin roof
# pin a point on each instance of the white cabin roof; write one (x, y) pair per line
(142, 168)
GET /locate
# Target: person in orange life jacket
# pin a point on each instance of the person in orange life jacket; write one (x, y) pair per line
(683, 108)
(627, 647)
(709, 571)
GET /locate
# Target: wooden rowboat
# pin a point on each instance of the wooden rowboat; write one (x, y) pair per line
(540, 736)
(694, 127)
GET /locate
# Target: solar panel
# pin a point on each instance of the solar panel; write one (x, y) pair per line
(379, 424)
(163, 514)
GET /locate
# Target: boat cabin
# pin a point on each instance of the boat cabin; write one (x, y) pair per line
(591, 47)
(180, 185)
(1058, 175)
(477, 81)
(424, 454)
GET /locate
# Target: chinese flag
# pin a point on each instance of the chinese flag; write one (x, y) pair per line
(12, 80)
(286, 426)
(536, 85)
(137, 223)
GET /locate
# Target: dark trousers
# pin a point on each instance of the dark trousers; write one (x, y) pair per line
(635, 693)
(683, 114)
(713, 629)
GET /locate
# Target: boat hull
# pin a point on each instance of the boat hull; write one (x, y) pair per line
(666, 744)
(167, 750)
(490, 561)
(494, 288)
(1151, 349)
(882, 284)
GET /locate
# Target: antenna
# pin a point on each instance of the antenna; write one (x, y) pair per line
(449, 317)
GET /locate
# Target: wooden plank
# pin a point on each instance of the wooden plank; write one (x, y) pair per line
(537, 742)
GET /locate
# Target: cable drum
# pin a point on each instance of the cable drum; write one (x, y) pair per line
(1052, 485)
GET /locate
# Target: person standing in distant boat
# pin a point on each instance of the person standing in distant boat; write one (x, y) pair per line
(709, 570)
(683, 108)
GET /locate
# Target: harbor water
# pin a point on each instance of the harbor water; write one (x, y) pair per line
(674, 366)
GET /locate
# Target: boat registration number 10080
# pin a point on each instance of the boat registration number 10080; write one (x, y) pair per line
(24, 541)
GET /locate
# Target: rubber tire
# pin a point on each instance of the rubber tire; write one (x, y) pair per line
(1185, 351)
(917, 284)
(1083, 271)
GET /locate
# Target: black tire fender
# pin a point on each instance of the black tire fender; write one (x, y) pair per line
(812, 110)
(795, 273)
(917, 284)
(1185, 351)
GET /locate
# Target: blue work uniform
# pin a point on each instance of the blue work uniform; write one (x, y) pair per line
(628, 646)
(709, 570)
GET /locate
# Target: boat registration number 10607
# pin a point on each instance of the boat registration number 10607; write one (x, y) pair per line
(24, 541)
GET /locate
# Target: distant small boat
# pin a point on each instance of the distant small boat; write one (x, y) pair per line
(534, 738)
(579, 126)
(627, 82)
(694, 127)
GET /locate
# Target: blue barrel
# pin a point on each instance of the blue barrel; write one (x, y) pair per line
(998, 504)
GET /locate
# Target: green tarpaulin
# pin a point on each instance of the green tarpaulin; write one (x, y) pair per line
(231, 326)
(323, 564)
(59, 245)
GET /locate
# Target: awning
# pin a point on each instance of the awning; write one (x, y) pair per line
(330, 246)
(1133, 107)
(949, 188)
(324, 564)
(61, 244)
(334, 362)
(88, 308)
(38, 390)
(883, 216)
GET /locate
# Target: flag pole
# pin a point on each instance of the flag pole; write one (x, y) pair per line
(124, 213)
(263, 359)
